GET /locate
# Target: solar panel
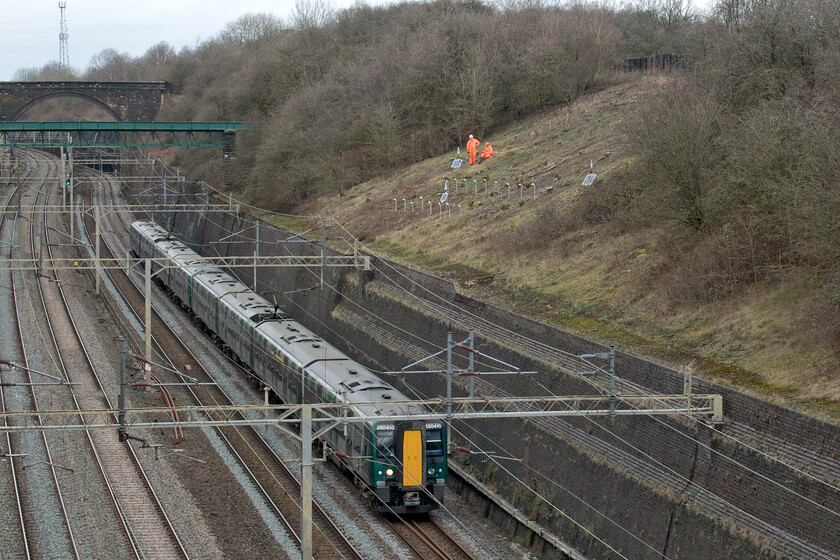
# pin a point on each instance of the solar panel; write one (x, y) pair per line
(444, 197)
(589, 179)
(456, 163)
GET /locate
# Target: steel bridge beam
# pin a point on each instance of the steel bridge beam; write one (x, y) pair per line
(118, 134)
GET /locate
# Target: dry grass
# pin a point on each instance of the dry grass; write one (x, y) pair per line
(591, 277)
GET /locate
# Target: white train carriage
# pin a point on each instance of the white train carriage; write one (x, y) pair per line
(150, 241)
(403, 462)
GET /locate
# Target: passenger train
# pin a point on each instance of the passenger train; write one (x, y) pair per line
(402, 463)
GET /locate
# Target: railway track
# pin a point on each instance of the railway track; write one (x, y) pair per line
(274, 479)
(429, 541)
(781, 542)
(146, 523)
(45, 516)
(12, 350)
(135, 508)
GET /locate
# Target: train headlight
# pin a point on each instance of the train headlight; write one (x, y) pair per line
(389, 472)
(432, 471)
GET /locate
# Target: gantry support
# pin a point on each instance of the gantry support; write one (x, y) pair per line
(463, 408)
(332, 415)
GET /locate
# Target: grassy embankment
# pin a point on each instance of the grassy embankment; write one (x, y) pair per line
(594, 278)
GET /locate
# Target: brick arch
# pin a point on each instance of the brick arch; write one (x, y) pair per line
(38, 100)
(126, 101)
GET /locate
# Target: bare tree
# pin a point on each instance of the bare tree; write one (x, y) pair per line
(309, 14)
(252, 27)
(159, 54)
(109, 64)
(52, 71)
(669, 14)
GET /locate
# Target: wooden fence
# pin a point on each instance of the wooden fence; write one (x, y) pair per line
(653, 62)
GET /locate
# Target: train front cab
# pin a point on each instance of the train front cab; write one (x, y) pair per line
(409, 466)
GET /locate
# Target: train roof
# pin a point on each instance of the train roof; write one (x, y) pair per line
(249, 305)
(345, 377)
(174, 248)
(151, 230)
(341, 374)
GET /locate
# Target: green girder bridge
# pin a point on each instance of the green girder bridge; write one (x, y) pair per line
(120, 134)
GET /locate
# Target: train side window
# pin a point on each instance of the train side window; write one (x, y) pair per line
(434, 443)
(357, 438)
(368, 435)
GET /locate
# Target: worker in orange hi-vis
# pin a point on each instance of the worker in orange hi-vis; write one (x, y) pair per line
(487, 153)
(472, 148)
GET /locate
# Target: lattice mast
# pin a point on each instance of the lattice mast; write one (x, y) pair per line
(63, 52)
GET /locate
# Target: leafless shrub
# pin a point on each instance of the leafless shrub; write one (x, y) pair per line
(823, 319)
(677, 137)
(707, 270)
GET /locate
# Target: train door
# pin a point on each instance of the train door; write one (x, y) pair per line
(409, 445)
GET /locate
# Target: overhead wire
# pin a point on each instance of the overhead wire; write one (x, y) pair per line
(355, 303)
(740, 464)
(549, 503)
(618, 378)
(459, 521)
(423, 397)
(446, 302)
(600, 389)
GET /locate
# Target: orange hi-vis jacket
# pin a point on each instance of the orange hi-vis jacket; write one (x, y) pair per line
(472, 145)
(488, 150)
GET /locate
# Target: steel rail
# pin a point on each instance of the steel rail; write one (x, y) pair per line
(32, 221)
(427, 539)
(452, 542)
(429, 543)
(265, 447)
(159, 349)
(123, 515)
(12, 468)
(65, 375)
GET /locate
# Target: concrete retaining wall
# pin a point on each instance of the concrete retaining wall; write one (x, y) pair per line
(631, 472)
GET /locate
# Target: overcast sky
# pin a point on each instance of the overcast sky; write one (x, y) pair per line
(29, 28)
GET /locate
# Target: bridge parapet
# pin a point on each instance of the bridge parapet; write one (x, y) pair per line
(125, 101)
